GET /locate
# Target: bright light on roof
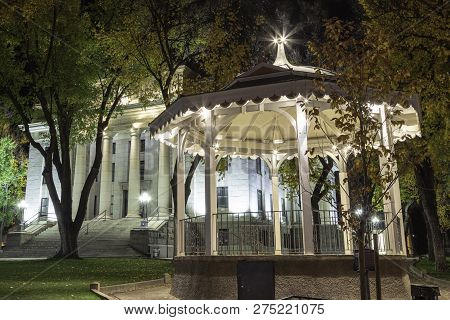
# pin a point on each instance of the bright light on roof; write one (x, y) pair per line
(280, 40)
(205, 112)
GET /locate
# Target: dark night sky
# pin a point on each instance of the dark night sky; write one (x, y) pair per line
(305, 18)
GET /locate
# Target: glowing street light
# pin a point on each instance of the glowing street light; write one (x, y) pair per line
(144, 199)
(358, 212)
(22, 205)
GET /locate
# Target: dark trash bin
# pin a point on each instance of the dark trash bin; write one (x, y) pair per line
(424, 292)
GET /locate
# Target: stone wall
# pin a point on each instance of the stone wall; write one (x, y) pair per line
(320, 277)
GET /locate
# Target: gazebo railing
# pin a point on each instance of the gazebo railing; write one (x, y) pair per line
(194, 235)
(291, 223)
(252, 233)
(328, 234)
(245, 233)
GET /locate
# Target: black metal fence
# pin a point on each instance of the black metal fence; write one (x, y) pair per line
(291, 231)
(252, 233)
(328, 234)
(245, 233)
(194, 235)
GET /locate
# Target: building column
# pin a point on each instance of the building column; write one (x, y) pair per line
(134, 179)
(181, 206)
(392, 204)
(210, 186)
(344, 193)
(163, 178)
(305, 187)
(106, 175)
(276, 205)
(79, 177)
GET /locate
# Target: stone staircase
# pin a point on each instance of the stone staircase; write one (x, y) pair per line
(97, 238)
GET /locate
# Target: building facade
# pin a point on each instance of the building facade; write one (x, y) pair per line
(134, 163)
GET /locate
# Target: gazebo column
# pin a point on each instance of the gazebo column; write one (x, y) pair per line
(305, 188)
(276, 205)
(181, 206)
(106, 175)
(392, 205)
(134, 181)
(344, 193)
(210, 186)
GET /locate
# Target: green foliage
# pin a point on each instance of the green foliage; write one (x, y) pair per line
(288, 173)
(416, 33)
(358, 59)
(12, 179)
(222, 166)
(227, 47)
(289, 180)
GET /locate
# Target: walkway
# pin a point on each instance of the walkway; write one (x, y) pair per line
(154, 293)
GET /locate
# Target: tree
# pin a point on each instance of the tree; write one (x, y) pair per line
(363, 80)
(56, 69)
(320, 168)
(12, 182)
(417, 35)
(204, 42)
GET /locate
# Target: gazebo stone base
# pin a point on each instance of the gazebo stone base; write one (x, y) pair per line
(319, 277)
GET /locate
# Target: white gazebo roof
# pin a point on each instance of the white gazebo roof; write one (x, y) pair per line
(256, 113)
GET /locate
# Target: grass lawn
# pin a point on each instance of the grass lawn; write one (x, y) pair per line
(70, 279)
(428, 267)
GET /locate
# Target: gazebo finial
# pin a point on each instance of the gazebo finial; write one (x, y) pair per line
(281, 59)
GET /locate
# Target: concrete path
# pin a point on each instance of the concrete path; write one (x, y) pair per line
(23, 259)
(154, 293)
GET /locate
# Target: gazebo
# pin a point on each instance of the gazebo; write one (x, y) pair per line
(263, 114)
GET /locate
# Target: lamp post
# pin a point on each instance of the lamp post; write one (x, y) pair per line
(22, 205)
(144, 199)
(375, 222)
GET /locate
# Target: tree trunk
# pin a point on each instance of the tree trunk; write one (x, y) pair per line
(316, 223)
(431, 256)
(187, 188)
(363, 281)
(426, 187)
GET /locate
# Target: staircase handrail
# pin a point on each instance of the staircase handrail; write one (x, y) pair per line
(101, 216)
(31, 220)
(156, 214)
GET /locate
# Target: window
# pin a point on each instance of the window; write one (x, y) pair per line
(44, 207)
(260, 201)
(258, 166)
(113, 173)
(222, 198)
(142, 146)
(114, 148)
(43, 181)
(142, 169)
